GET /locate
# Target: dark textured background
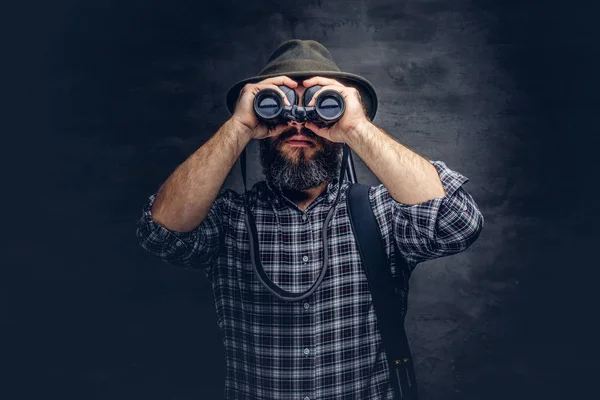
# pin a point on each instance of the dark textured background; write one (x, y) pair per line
(108, 97)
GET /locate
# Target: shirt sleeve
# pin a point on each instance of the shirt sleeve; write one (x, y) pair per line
(196, 249)
(438, 227)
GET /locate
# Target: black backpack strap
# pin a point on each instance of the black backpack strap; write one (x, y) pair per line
(386, 301)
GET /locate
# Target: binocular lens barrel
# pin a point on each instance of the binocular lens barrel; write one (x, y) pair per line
(330, 105)
(268, 104)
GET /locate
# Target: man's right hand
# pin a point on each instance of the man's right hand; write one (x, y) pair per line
(244, 109)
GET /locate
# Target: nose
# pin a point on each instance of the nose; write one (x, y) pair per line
(298, 125)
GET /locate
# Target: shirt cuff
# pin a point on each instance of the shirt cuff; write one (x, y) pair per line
(424, 216)
(176, 238)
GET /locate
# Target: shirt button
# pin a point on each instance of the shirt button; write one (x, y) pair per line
(306, 305)
(178, 244)
(306, 352)
(305, 258)
(304, 217)
(306, 398)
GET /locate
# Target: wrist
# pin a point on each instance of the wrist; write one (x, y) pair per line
(358, 132)
(241, 128)
(238, 132)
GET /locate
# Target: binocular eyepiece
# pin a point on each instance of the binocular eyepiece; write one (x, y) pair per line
(328, 109)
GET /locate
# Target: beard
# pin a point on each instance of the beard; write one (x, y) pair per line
(295, 169)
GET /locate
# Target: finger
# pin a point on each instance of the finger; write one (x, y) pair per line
(322, 132)
(279, 129)
(272, 86)
(320, 80)
(316, 95)
(281, 80)
(276, 130)
(311, 126)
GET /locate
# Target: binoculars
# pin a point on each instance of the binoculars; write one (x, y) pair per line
(328, 109)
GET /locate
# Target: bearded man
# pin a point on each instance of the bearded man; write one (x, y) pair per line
(327, 345)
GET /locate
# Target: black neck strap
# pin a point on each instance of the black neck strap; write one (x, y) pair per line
(254, 248)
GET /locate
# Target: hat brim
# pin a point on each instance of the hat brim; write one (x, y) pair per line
(365, 88)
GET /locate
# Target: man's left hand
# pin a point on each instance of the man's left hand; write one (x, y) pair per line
(354, 115)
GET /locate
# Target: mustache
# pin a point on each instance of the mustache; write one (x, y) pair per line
(293, 131)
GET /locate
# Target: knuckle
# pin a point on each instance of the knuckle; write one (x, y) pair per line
(274, 79)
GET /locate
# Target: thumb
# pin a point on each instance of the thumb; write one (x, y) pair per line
(314, 128)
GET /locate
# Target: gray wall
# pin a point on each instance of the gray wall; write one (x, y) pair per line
(117, 94)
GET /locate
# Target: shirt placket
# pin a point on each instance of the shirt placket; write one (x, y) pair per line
(305, 311)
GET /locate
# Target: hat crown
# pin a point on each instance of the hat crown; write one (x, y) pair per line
(301, 49)
(299, 55)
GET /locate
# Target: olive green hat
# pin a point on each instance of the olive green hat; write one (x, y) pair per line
(306, 58)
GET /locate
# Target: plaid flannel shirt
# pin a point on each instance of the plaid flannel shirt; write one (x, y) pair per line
(327, 346)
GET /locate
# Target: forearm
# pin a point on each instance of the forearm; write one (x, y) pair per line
(185, 198)
(408, 177)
